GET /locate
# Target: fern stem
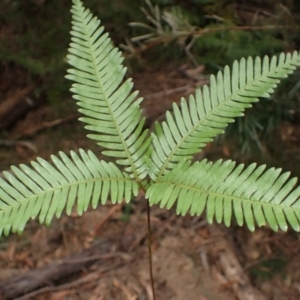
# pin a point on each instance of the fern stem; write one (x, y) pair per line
(158, 40)
(150, 250)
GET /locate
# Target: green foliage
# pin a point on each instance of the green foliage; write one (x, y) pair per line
(35, 39)
(268, 268)
(214, 33)
(35, 36)
(46, 191)
(158, 163)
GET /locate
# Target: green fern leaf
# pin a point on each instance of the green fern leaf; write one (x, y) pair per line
(207, 114)
(251, 194)
(45, 191)
(110, 109)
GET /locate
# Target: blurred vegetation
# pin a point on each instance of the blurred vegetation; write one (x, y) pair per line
(215, 33)
(269, 268)
(34, 36)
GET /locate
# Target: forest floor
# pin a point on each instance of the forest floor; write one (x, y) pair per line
(191, 259)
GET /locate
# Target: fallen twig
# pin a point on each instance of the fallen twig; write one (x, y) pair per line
(29, 281)
(17, 105)
(45, 125)
(13, 143)
(88, 278)
(233, 271)
(165, 39)
(112, 211)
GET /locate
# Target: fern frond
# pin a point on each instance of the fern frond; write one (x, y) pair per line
(252, 194)
(110, 109)
(207, 114)
(45, 191)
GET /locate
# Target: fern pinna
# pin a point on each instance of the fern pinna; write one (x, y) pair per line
(158, 162)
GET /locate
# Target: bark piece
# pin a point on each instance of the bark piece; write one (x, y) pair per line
(232, 269)
(29, 281)
(17, 105)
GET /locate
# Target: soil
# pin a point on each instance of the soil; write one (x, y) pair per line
(191, 259)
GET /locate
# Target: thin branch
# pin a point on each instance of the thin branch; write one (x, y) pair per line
(46, 125)
(74, 284)
(153, 42)
(240, 28)
(108, 216)
(150, 250)
(13, 143)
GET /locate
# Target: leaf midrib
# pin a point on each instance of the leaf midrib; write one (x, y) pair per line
(60, 187)
(232, 197)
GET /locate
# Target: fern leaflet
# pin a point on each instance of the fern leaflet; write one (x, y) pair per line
(46, 191)
(253, 194)
(110, 109)
(207, 114)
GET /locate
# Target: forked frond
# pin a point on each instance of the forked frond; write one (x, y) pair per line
(45, 191)
(207, 114)
(251, 194)
(111, 111)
